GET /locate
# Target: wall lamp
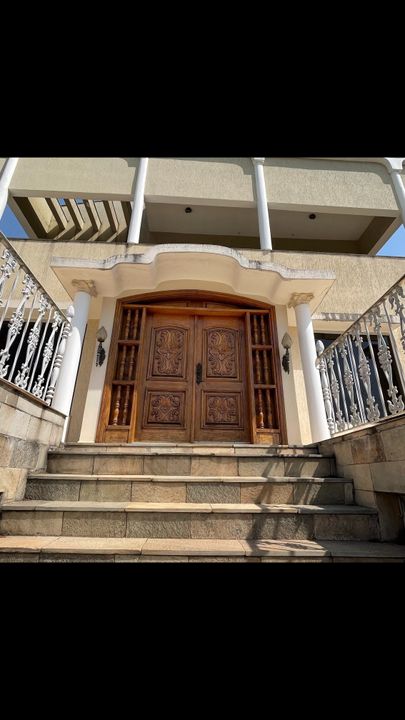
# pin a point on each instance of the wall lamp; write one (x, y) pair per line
(286, 343)
(101, 337)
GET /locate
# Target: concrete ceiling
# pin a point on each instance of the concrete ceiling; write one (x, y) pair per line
(325, 226)
(214, 220)
(203, 220)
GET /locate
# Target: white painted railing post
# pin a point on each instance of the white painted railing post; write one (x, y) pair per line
(326, 391)
(59, 356)
(262, 208)
(139, 200)
(306, 338)
(5, 179)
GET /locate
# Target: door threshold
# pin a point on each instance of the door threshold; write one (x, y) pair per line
(189, 444)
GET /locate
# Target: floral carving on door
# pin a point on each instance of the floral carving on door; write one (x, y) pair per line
(222, 355)
(168, 352)
(222, 409)
(166, 408)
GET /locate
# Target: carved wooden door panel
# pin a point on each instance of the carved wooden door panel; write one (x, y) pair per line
(166, 387)
(221, 411)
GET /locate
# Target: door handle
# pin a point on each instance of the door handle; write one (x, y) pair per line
(198, 373)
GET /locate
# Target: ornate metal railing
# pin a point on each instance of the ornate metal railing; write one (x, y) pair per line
(33, 330)
(362, 376)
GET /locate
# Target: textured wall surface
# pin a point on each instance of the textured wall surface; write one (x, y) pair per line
(374, 458)
(27, 429)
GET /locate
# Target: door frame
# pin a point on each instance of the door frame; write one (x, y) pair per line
(219, 304)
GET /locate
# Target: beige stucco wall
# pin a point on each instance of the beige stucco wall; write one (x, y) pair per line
(337, 184)
(360, 280)
(297, 181)
(218, 179)
(107, 178)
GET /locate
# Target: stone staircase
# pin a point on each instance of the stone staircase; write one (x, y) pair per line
(189, 503)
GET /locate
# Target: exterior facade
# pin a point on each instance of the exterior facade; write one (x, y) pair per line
(294, 238)
(193, 292)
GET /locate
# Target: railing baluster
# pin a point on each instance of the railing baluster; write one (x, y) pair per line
(372, 411)
(334, 387)
(31, 305)
(23, 334)
(327, 398)
(337, 363)
(394, 299)
(58, 357)
(39, 348)
(16, 323)
(355, 418)
(399, 308)
(377, 377)
(395, 403)
(21, 379)
(38, 389)
(6, 270)
(11, 293)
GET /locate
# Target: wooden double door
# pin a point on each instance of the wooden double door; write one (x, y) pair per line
(185, 374)
(193, 385)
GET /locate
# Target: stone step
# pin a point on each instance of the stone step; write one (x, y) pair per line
(89, 549)
(194, 462)
(189, 520)
(169, 488)
(201, 448)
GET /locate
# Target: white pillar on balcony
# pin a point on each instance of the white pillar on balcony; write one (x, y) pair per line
(5, 179)
(70, 364)
(262, 209)
(394, 167)
(306, 338)
(139, 201)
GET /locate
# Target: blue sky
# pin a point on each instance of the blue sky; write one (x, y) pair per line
(395, 246)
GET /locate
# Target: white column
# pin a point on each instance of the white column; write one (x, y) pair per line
(5, 180)
(70, 364)
(262, 209)
(306, 338)
(139, 201)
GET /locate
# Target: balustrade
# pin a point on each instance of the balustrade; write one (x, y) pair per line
(33, 330)
(364, 381)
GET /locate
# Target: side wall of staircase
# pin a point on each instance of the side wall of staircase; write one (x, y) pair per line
(28, 428)
(374, 459)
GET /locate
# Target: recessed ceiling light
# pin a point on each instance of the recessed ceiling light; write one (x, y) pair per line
(188, 210)
(312, 216)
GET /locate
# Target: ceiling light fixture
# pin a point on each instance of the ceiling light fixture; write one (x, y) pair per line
(312, 216)
(188, 210)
